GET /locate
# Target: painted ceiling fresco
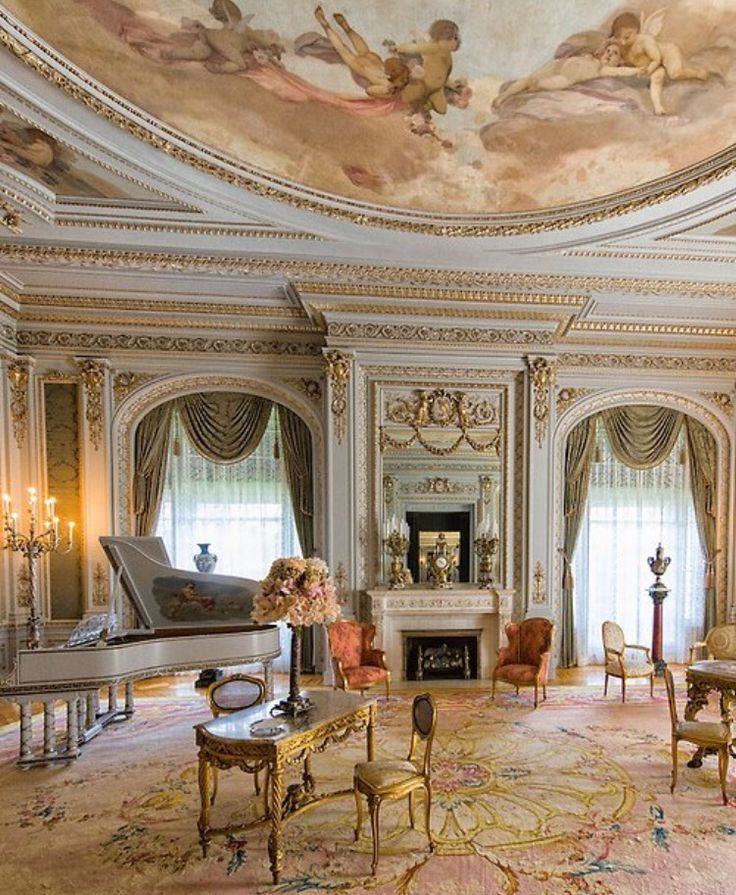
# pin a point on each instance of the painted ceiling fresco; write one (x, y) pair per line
(460, 107)
(32, 151)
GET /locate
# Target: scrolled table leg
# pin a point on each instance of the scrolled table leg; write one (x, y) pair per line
(277, 799)
(203, 824)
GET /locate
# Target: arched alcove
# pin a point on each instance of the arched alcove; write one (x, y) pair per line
(686, 404)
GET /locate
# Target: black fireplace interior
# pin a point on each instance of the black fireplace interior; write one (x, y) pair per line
(448, 656)
(421, 521)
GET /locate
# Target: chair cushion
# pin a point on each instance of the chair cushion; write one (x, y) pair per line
(363, 675)
(517, 674)
(704, 732)
(632, 669)
(385, 774)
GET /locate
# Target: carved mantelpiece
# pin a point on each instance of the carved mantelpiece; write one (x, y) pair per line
(420, 609)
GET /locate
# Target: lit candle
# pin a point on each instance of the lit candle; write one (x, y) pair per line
(56, 528)
(14, 521)
(32, 497)
(6, 504)
(71, 533)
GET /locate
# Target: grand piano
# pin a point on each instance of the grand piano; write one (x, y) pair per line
(187, 620)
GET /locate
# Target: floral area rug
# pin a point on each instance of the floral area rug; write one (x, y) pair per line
(571, 798)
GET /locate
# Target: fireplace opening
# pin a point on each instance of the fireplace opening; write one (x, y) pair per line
(441, 656)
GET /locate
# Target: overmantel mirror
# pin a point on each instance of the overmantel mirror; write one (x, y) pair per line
(442, 476)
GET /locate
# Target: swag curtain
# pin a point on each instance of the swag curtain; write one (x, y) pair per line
(296, 444)
(642, 437)
(224, 427)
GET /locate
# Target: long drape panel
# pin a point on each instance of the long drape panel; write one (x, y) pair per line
(578, 459)
(640, 435)
(702, 459)
(225, 427)
(150, 455)
(629, 511)
(296, 445)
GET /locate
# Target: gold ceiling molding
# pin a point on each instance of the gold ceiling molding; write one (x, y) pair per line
(649, 362)
(163, 322)
(36, 54)
(10, 217)
(562, 319)
(424, 293)
(566, 397)
(194, 229)
(543, 372)
(722, 400)
(451, 335)
(18, 377)
(92, 372)
(30, 338)
(422, 374)
(338, 366)
(668, 329)
(338, 275)
(650, 255)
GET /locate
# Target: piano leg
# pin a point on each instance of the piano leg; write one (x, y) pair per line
(112, 698)
(49, 730)
(268, 677)
(72, 730)
(91, 709)
(26, 733)
(81, 715)
(129, 702)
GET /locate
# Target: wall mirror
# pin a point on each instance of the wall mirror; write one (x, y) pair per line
(442, 483)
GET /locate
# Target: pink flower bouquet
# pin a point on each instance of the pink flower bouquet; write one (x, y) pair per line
(297, 591)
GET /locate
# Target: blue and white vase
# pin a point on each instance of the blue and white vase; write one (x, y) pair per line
(204, 560)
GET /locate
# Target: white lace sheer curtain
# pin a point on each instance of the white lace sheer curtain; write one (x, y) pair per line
(628, 513)
(243, 510)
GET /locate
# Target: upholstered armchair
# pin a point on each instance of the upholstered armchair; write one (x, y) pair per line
(525, 661)
(618, 664)
(719, 643)
(357, 665)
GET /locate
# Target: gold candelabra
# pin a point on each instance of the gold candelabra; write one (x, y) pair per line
(486, 547)
(397, 543)
(32, 546)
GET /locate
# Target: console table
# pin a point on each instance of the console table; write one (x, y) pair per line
(228, 742)
(703, 677)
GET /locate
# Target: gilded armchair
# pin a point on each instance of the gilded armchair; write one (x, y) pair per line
(618, 664)
(525, 661)
(719, 643)
(357, 665)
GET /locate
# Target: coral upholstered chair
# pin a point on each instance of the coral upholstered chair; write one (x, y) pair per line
(356, 663)
(525, 661)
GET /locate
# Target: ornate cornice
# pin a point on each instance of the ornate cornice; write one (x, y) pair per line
(179, 322)
(92, 372)
(184, 344)
(46, 62)
(338, 366)
(10, 217)
(338, 276)
(649, 362)
(449, 335)
(543, 373)
(424, 293)
(177, 227)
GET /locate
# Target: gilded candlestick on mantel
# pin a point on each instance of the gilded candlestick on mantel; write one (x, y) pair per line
(32, 545)
(396, 541)
(486, 547)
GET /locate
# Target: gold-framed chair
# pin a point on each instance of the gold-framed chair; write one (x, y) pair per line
(713, 734)
(394, 779)
(719, 643)
(357, 665)
(618, 664)
(232, 694)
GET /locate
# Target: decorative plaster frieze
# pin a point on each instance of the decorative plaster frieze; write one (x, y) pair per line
(410, 332)
(566, 397)
(438, 485)
(312, 388)
(649, 362)
(338, 372)
(543, 378)
(539, 593)
(183, 344)
(92, 372)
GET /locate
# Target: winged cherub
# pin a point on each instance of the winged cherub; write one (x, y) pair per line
(640, 47)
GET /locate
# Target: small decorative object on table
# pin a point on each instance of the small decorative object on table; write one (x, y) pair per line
(301, 593)
(658, 565)
(204, 560)
(442, 563)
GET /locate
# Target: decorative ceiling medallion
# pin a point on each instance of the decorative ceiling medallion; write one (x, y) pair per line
(439, 132)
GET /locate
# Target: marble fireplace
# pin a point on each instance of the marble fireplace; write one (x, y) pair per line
(421, 611)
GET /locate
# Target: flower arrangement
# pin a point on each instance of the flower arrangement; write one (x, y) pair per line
(297, 591)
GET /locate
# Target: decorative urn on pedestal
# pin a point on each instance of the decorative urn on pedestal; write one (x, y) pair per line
(301, 593)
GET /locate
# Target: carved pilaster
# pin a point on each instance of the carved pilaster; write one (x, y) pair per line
(18, 377)
(92, 372)
(543, 377)
(338, 372)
